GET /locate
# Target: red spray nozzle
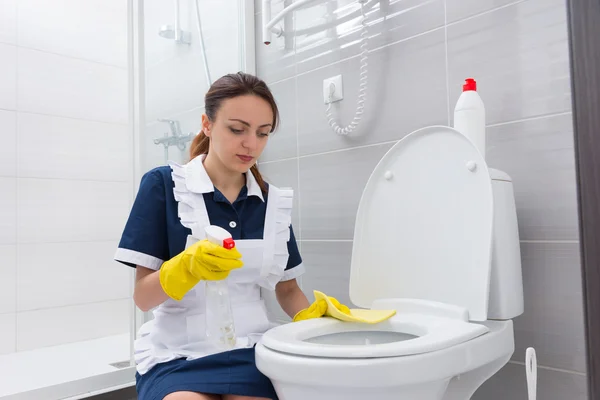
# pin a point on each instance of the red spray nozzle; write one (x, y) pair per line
(228, 243)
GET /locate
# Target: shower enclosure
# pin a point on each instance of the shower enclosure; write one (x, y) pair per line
(179, 48)
(175, 48)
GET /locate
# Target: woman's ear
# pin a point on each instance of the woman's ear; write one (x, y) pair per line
(206, 125)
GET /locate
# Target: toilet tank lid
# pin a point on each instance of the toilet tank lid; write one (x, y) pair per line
(497, 175)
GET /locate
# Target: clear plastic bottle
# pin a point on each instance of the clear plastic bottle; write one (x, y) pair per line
(220, 328)
(469, 115)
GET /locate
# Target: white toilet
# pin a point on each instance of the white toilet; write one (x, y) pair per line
(436, 239)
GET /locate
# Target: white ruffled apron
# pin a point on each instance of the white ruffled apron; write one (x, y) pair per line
(178, 328)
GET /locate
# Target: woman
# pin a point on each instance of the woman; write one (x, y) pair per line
(164, 240)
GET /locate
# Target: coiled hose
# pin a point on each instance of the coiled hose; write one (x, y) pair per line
(362, 88)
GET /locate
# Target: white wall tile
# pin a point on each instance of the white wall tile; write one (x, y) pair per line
(8, 21)
(8, 77)
(68, 87)
(55, 147)
(94, 30)
(80, 273)
(52, 210)
(283, 143)
(55, 326)
(8, 138)
(8, 332)
(8, 282)
(8, 210)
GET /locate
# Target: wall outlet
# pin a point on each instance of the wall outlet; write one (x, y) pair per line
(332, 89)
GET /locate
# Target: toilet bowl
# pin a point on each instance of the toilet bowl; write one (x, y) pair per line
(426, 245)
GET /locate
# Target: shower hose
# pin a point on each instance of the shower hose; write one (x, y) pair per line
(362, 88)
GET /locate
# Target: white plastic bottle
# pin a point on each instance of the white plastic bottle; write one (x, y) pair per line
(469, 115)
(220, 328)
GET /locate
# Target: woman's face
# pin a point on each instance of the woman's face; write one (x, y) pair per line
(240, 131)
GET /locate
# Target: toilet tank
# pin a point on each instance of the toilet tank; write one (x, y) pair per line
(506, 280)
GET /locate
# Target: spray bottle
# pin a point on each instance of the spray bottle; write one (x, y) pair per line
(220, 327)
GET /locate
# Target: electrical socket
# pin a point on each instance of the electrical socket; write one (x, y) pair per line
(333, 84)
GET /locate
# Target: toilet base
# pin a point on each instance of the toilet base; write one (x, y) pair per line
(428, 391)
(464, 386)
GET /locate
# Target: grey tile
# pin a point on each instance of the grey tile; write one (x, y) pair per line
(331, 186)
(406, 91)
(285, 174)
(327, 269)
(519, 56)
(539, 156)
(330, 31)
(510, 383)
(283, 143)
(553, 321)
(460, 9)
(276, 61)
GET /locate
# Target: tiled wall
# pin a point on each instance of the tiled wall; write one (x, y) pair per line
(175, 82)
(65, 171)
(421, 50)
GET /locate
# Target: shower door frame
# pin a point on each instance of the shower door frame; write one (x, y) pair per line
(584, 31)
(137, 96)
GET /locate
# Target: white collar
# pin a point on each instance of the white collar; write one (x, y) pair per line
(198, 181)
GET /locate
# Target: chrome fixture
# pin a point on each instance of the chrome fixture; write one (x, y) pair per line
(175, 32)
(174, 138)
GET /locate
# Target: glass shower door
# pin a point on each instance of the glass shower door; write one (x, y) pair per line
(181, 47)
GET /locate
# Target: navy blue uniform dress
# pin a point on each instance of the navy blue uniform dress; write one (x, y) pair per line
(154, 234)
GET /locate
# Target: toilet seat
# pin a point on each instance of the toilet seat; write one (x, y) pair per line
(436, 327)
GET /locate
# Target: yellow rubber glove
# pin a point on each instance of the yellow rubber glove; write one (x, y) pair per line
(201, 261)
(319, 308)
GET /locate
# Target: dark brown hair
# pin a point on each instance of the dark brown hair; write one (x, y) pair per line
(227, 87)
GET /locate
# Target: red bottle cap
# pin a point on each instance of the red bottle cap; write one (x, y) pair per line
(228, 243)
(470, 85)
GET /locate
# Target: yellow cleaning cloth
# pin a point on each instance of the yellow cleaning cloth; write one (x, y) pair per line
(356, 315)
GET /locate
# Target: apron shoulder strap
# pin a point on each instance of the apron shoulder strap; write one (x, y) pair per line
(276, 235)
(191, 208)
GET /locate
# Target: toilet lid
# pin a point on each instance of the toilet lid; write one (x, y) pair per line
(424, 224)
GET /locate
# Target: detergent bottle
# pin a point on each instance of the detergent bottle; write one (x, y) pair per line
(469, 115)
(220, 328)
